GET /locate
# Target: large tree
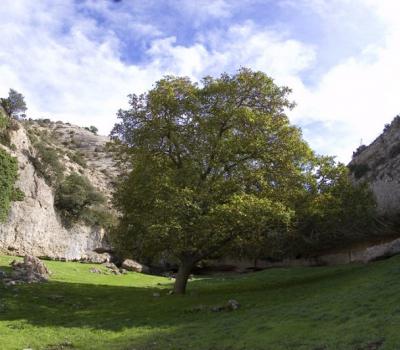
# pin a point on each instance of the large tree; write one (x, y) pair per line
(213, 164)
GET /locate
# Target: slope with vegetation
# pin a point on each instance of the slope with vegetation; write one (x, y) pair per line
(379, 165)
(63, 178)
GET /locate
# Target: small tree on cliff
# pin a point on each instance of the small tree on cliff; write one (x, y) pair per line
(214, 165)
(14, 104)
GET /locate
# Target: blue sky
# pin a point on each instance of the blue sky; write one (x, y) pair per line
(76, 60)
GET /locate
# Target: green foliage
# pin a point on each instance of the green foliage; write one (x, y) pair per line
(213, 165)
(14, 104)
(47, 163)
(4, 129)
(18, 195)
(335, 212)
(78, 158)
(8, 176)
(359, 169)
(77, 200)
(7, 125)
(92, 129)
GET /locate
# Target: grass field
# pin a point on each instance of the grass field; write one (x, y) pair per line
(347, 307)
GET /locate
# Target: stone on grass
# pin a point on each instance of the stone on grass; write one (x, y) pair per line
(132, 265)
(95, 270)
(31, 270)
(233, 304)
(113, 268)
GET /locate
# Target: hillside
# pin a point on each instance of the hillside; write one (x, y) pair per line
(379, 165)
(48, 152)
(352, 307)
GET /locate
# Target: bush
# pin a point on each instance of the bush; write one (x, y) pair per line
(18, 195)
(359, 150)
(8, 175)
(47, 163)
(14, 104)
(359, 170)
(5, 122)
(77, 200)
(92, 129)
(78, 159)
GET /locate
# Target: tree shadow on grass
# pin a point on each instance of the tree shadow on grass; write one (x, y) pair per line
(264, 296)
(110, 307)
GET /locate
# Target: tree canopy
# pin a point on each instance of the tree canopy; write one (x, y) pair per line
(213, 164)
(14, 104)
(216, 168)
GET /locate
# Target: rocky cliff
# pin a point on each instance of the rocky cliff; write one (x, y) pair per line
(379, 165)
(34, 226)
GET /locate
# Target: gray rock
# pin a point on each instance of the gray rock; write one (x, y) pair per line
(96, 258)
(95, 270)
(30, 270)
(132, 265)
(233, 304)
(33, 226)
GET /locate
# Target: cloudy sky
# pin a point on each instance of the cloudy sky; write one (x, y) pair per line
(76, 60)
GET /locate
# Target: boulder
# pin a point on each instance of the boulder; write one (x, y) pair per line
(97, 258)
(113, 268)
(381, 251)
(31, 270)
(132, 265)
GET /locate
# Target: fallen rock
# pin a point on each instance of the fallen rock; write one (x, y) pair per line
(113, 268)
(31, 270)
(97, 258)
(232, 305)
(95, 270)
(132, 265)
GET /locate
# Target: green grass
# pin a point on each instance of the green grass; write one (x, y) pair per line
(347, 307)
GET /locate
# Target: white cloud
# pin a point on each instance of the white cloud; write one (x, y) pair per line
(70, 68)
(360, 94)
(78, 76)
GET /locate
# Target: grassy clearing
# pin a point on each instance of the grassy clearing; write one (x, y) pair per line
(347, 307)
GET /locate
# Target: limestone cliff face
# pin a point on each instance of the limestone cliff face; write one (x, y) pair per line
(379, 165)
(33, 226)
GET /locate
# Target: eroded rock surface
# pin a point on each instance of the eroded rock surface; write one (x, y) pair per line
(33, 226)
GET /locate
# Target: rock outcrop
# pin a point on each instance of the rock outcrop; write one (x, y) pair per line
(379, 165)
(33, 226)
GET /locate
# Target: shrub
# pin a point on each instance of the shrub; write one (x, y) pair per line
(8, 175)
(394, 151)
(78, 158)
(75, 200)
(14, 104)
(92, 129)
(18, 195)
(47, 163)
(359, 150)
(5, 138)
(359, 170)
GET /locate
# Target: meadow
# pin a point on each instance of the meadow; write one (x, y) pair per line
(344, 307)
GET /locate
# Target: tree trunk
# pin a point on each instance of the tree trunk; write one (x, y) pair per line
(182, 277)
